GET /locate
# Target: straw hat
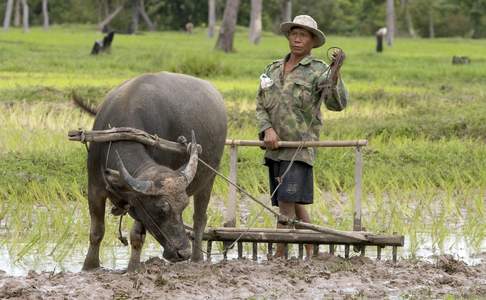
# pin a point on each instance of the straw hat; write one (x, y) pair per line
(309, 24)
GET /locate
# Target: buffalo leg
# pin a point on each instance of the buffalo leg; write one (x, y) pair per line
(201, 201)
(137, 238)
(96, 201)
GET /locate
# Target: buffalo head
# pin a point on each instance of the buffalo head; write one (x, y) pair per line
(157, 200)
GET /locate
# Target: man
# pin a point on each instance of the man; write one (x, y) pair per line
(288, 109)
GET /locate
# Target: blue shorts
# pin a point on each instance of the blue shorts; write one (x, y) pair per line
(298, 183)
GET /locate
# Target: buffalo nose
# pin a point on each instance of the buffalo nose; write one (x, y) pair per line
(185, 253)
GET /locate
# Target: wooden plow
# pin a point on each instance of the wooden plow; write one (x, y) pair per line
(313, 234)
(229, 234)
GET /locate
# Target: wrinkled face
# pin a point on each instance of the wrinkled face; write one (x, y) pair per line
(301, 41)
(162, 217)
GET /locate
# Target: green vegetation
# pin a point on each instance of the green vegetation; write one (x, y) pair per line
(449, 18)
(424, 118)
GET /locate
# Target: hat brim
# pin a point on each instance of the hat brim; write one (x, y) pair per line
(319, 35)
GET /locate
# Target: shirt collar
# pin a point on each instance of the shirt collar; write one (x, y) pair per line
(305, 61)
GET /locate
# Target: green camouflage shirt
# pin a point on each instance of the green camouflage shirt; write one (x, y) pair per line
(292, 105)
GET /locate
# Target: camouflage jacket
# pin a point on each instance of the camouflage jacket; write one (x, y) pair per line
(292, 105)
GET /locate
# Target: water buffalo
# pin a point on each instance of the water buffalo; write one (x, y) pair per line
(154, 185)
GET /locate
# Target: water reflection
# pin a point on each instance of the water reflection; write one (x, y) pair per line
(116, 258)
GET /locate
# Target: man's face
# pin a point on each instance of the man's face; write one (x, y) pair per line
(301, 41)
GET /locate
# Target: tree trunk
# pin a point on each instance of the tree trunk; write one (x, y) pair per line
(18, 14)
(135, 17)
(227, 31)
(145, 17)
(45, 14)
(8, 15)
(476, 15)
(431, 22)
(408, 18)
(110, 17)
(390, 21)
(286, 15)
(106, 9)
(25, 15)
(211, 17)
(256, 21)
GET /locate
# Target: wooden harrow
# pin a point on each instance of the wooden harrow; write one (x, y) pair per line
(229, 234)
(318, 235)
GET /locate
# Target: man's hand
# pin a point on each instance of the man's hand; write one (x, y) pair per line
(337, 60)
(271, 139)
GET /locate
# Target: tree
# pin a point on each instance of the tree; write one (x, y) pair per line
(408, 17)
(256, 21)
(431, 22)
(135, 17)
(25, 15)
(211, 17)
(8, 15)
(227, 30)
(45, 14)
(390, 21)
(145, 17)
(17, 13)
(110, 17)
(286, 15)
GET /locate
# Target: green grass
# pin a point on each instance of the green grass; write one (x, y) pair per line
(424, 118)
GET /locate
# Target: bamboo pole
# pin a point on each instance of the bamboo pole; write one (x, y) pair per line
(296, 144)
(357, 190)
(230, 216)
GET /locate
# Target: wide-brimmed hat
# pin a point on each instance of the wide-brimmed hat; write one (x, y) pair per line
(308, 23)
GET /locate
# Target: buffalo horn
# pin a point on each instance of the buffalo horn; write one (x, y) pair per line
(146, 187)
(190, 168)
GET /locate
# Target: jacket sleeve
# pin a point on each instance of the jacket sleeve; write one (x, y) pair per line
(261, 114)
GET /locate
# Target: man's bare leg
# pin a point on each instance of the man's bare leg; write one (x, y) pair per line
(303, 216)
(287, 209)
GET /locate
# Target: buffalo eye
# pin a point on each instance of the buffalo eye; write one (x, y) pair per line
(163, 205)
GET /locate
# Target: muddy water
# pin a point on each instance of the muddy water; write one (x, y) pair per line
(116, 258)
(323, 277)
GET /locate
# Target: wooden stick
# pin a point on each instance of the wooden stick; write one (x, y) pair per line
(240, 250)
(125, 134)
(295, 236)
(230, 214)
(296, 144)
(208, 250)
(255, 251)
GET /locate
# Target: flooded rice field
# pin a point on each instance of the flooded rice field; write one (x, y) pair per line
(430, 275)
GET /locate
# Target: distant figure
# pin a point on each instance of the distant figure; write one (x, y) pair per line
(103, 45)
(460, 60)
(189, 27)
(380, 34)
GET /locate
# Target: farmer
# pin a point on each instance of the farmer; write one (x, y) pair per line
(288, 108)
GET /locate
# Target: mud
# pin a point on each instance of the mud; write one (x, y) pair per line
(323, 277)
